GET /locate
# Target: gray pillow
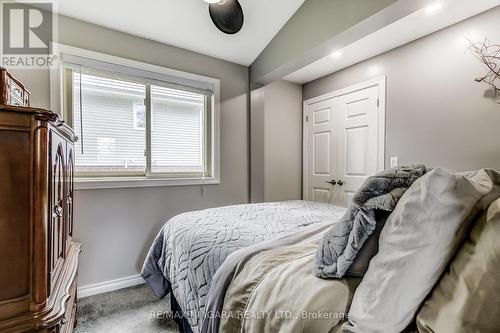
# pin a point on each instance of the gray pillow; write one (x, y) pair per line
(369, 248)
(416, 244)
(466, 298)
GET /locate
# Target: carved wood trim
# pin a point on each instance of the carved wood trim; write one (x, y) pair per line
(52, 314)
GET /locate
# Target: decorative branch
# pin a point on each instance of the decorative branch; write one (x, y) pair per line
(489, 55)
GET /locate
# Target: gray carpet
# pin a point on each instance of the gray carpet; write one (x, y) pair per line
(132, 309)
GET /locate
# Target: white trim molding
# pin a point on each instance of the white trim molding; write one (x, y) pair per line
(111, 285)
(151, 72)
(379, 81)
(60, 50)
(132, 182)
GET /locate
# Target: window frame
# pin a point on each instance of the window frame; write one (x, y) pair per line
(152, 75)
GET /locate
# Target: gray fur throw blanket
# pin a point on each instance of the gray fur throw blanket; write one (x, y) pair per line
(342, 242)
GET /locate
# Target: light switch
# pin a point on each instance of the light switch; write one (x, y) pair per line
(394, 161)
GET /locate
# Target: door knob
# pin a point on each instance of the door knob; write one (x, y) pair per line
(340, 182)
(333, 182)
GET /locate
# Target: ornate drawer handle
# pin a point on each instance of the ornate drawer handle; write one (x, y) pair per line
(69, 200)
(58, 211)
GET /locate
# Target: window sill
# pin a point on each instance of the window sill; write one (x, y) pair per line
(131, 182)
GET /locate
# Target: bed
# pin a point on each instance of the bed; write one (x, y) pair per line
(190, 249)
(252, 267)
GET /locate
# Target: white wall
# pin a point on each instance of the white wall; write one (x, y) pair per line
(276, 142)
(117, 226)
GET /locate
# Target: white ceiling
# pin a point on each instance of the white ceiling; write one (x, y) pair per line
(187, 24)
(408, 29)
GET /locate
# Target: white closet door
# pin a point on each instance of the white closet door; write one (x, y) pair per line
(358, 142)
(321, 147)
(344, 143)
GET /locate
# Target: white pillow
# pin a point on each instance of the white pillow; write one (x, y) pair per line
(415, 246)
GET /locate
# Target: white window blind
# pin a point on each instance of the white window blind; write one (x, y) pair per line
(131, 126)
(109, 142)
(177, 131)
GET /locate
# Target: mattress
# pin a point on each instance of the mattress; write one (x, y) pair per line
(191, 247)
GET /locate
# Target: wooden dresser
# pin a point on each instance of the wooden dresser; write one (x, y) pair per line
(38, 257)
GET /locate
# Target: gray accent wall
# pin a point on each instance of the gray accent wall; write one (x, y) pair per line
(257, 145)
(117, 226)
(436, 113)
(276, 136)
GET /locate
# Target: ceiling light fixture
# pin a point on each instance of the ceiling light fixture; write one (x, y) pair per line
(227, 15)
(336, 54)
(433, 8)
(374, 70)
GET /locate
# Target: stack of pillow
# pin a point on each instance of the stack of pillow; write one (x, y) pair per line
(467, 298)
(416, 245)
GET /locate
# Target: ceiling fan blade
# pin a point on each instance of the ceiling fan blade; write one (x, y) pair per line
(227, 16)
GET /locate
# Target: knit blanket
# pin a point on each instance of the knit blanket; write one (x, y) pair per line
(342, 242)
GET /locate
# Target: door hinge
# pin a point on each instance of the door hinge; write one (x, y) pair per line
(145, 101)
(307, 119)
(378, 102)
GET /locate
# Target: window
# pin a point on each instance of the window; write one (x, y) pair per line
(137, 127)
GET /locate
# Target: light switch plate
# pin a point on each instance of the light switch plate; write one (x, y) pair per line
(394, 161)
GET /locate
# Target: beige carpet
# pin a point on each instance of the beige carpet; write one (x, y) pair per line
(133, 309)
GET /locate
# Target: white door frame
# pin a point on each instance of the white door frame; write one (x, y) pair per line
(381, 82)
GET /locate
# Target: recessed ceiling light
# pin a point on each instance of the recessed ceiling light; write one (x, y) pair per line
(374, 70)
(433, 8)
(336, 54)
(213, 1)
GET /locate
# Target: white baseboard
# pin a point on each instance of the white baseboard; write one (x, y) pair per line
(111, 285)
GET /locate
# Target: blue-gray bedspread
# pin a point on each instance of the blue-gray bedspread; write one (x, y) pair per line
(192, 246)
